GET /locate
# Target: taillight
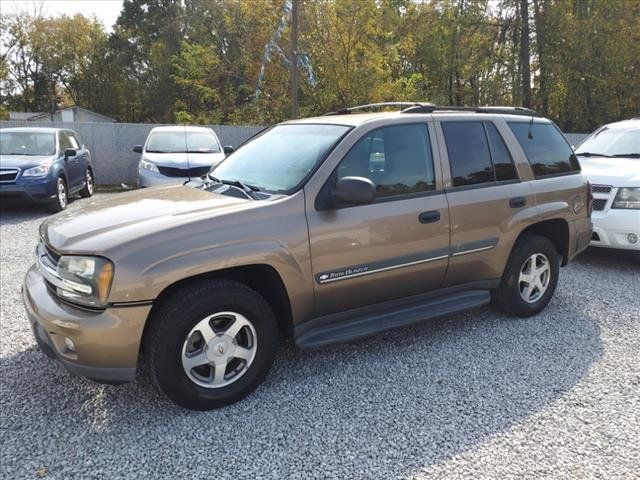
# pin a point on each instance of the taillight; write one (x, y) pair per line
(589, 198)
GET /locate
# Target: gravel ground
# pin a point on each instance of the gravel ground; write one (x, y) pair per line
(471, 395)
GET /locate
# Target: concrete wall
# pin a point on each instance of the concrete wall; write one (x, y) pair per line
(111, 144)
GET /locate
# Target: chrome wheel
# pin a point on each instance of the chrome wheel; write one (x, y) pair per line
(89, 180)
(219, 349)
(62, 194)
(534, 277)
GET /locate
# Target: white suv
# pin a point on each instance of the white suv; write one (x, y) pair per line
(610, 158)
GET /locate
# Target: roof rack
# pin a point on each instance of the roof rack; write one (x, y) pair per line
(423, 107)
(455, 108)
(369, 106)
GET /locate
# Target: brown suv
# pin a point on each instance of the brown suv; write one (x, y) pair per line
(324, 229)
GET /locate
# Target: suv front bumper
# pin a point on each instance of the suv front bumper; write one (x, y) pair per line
(615, 227)
(35, 191)
(147, 178)
(105, 343)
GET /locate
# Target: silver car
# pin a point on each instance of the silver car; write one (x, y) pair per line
(176, 154)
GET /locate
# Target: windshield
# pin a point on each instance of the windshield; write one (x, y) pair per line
(182, 142)
(612, 142)
(281, 158)
(27, 143)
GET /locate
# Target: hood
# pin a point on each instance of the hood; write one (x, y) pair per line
(184, 160)
(100, 224)
(617, 172)
(23, 161)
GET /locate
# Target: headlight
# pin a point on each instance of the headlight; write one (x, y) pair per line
(147, 165)
(39, 171)
(85, 280)
(627, 197)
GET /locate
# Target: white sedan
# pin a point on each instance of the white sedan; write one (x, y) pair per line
(610, 158)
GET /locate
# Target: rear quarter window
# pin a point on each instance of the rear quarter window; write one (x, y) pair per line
(546, 149)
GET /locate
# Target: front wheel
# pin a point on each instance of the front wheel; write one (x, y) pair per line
(211, 344)
(62, 197)
(89, 182)
(530, 277)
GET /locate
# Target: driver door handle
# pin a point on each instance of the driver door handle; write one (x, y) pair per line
(429, 217)
(517, 202)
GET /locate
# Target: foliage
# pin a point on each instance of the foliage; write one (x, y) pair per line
(197, 61)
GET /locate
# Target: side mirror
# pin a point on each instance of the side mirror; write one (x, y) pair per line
(354, 190)
(69, 152)
(137, 149)
(227, 149)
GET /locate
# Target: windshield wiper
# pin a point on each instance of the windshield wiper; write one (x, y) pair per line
(590, 154)
(629, 155)
(158, 151)
(249, 190)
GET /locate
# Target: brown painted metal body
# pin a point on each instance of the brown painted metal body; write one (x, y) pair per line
(329, 260)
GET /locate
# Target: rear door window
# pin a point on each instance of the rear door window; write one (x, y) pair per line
(477, 153)
(546, 149)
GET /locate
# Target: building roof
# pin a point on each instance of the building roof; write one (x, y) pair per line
(23, 115)
(35, 129)
(75, 108)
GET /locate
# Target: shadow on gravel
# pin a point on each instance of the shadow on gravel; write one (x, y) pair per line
(380, 408)
(607, 257)
(13, 212)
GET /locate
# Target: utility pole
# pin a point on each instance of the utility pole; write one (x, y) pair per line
(525, 54)
(294, 58)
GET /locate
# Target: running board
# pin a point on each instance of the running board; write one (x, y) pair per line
(365, 321)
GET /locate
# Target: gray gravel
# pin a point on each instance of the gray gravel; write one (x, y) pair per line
(468, 396)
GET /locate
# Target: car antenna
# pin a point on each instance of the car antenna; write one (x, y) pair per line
(530, 134)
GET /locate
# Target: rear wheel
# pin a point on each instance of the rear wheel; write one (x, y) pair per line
(87, 191)
(211, 344)
(530, 277)
(62, 197)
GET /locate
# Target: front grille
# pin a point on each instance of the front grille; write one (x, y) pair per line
(47, 260)
(601, 188)
(8, 174)
(183, 172)
(53, 256)
(599, 203)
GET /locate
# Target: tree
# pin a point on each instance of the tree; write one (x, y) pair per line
(576, 61)
(146, 37)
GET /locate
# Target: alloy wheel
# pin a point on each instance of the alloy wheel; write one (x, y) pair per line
(219, 349)
(89, 179)
(62, 193)
(534, 278)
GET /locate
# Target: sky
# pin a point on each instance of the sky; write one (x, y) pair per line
(106, 10)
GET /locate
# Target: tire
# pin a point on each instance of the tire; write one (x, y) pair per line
(519, 293)
(177, 328)
(87, 191)
(62, 197)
